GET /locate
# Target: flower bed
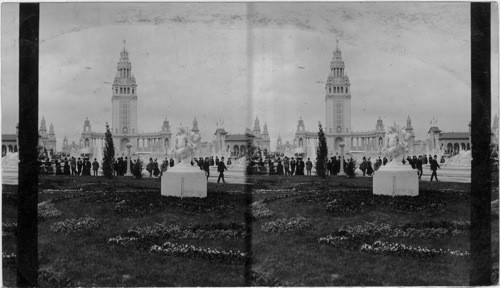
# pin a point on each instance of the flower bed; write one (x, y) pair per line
(54, 191)
(290, 195)
(9, 229)
(272, 191)
(260, 210)
(75, 225)
(148, 201)
(357, 237)
(402, 250)
(348, 201)
(47, 210)
(189, 251)
(143, 237)
(285, 225)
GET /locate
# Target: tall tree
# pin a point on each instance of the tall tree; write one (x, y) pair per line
(109, 154)
(321, 153)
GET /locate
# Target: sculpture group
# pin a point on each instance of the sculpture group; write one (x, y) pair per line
(184, 180)
(396, 145)
(186, 143)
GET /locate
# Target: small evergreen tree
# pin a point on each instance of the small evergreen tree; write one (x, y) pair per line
(109, 154)
(350, 168)
(137, 169)
(321, 153)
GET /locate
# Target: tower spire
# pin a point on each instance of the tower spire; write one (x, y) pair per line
(338, 95)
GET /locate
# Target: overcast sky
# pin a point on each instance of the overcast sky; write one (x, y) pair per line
(235, 61)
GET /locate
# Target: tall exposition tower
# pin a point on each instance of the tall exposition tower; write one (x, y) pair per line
(338, 96)
(124, 99)
(338, 118)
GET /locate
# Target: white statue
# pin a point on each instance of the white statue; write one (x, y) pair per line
(396, 145)
(185, 144)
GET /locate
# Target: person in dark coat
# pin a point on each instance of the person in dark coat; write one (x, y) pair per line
(419, 167)
(384, 161)
(73, 166)
(200, 163)
(221, 167)
(309, 166)
(272, 171)
(369, 168)
(67, 170)
(229, 162)
(172, 162)
(95, 166)
(164, 167)
(442, 160)
(79, 166)
(149, 167)
(206, 167)
(84, 167)
(88, 166)
(156, 170)
(217, 161)
(279, 169)
(58, 168)
(293, 164)
(286, 165)
(363, 165)
(300, 167)
(434, 166)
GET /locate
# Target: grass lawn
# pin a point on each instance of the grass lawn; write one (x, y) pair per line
(295, 212)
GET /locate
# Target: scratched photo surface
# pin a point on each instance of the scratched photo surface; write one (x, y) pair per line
(250, 82)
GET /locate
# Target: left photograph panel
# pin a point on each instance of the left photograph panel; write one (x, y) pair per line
(137, 185)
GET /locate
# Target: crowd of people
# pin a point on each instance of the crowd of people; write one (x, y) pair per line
(71, 166)
(292, 166)
(286, 166)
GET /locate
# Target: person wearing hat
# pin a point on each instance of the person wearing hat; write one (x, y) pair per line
(95, 166)
(206, 167)
(419, 167)
(434, 167)
(221, 167)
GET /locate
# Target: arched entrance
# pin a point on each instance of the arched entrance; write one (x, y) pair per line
(456, 147)
(243, 150)
(123, 144)
(462, 146)
(4, 150)
(449, 148)
(236, 150)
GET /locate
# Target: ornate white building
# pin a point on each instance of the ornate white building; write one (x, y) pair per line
(337, 126)
(124, 118)
(236, 144)
(48, 140)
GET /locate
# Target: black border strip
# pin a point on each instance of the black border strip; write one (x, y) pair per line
(27, 240)
(480, 236)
